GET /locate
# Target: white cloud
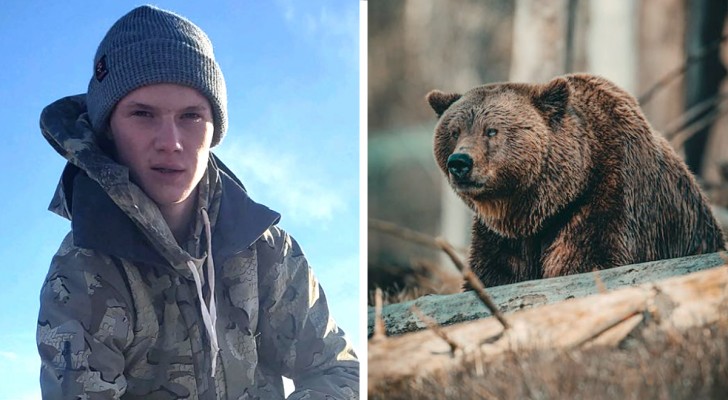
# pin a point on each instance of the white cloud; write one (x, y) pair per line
(310, 23)
(301, 191)
(339, 277)
(19, 362)
(9, 355)
(34, 395)
(19, 374)
(289, 12)
(344, 25)
(335, 31)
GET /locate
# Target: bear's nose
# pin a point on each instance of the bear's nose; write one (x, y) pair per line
(459, 165)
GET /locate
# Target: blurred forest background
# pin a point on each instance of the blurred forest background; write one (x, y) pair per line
(670, 54)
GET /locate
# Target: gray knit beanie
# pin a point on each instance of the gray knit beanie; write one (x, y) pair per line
(148, 46)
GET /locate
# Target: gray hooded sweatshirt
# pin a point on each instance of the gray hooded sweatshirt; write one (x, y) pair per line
(127, 312)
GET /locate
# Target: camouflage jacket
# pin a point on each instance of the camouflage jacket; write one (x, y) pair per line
(121, 314)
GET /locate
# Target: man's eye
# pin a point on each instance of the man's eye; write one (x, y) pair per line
(141, 113)
(192, 116)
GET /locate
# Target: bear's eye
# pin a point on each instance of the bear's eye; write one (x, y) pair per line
(455, 134)
(490, 132)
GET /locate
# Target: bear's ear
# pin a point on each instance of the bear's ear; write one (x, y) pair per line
(440, 101)
(552, 100)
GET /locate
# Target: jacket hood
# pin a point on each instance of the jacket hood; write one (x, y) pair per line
(94, 188)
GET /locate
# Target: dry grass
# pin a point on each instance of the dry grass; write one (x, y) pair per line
(650, 364)
(424, 277)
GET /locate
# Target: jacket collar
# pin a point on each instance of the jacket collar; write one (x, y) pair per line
(241, 220)
(101, 225)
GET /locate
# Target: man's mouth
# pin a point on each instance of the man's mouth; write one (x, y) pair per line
(167, 170)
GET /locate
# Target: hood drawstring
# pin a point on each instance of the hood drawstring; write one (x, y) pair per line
(209, 311)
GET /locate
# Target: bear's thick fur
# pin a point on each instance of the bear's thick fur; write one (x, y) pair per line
(566, 177)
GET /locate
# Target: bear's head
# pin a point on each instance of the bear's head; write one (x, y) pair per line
(495, 144)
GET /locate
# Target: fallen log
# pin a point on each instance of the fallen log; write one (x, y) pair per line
(678, 326)
(454, 308)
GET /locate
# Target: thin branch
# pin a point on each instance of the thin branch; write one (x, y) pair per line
(688, 117)
(724, 256)
(443, 245)
(379, 329)
(474, 282)
(691, 59)
(432, 324)
(678, 141)
(599, 282)
(404, 233)
(582, 341)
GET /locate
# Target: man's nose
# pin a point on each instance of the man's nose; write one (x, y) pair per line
(168, 137)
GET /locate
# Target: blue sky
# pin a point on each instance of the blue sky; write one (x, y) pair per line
(292, 70)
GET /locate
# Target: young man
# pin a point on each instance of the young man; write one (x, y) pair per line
(173, 283)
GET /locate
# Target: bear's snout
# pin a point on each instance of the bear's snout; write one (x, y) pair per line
(460, 165)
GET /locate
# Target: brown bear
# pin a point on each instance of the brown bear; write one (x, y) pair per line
(566, 177)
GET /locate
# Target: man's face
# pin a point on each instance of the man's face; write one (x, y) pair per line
(162, 133)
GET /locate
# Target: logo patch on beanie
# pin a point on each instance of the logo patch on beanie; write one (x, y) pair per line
(100, 70)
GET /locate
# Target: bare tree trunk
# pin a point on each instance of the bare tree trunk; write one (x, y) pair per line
(661, 50)
(706, 19)
(715, 165)
(539, 40)
(611, 49)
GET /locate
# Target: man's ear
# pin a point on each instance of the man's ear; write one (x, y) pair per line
(440, 101)
(552, 100)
